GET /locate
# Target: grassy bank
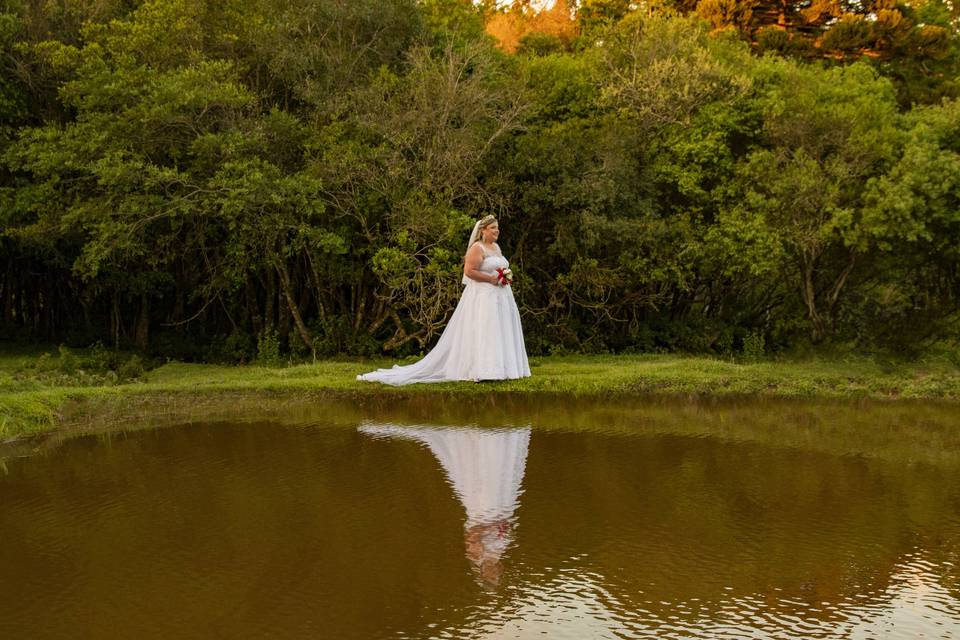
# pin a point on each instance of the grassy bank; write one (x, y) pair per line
(31, 404)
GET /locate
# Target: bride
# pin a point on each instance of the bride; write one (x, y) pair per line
(483, 340)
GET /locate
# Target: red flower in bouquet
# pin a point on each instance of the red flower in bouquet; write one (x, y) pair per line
(504, 275)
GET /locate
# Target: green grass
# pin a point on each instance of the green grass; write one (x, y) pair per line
(31, 405)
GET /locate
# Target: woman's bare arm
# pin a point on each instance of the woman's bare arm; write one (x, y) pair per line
(471, 266)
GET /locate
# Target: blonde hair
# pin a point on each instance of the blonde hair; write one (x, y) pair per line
(478, 228)
(486, 221)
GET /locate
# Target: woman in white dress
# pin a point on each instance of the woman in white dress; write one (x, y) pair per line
(485, 468)
(483, 339)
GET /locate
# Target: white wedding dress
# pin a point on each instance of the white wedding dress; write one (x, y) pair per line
(485, 468)
(482, 341)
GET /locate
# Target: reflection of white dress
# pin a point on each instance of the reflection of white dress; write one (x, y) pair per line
(482, 341)
(485, 468)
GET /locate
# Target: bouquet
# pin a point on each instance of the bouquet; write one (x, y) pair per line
(504, 276)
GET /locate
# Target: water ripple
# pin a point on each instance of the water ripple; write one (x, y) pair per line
(255, 530)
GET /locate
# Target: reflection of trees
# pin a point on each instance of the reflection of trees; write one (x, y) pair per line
(904, 432)
(670, 533)
(229, 531)
(630, 514)
(669, 520)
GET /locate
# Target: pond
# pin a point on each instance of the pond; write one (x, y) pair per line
(493, 517)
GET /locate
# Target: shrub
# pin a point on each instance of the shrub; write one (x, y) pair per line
(754, 345)
(69, 363)
(132, 369)
(101, 359)
(236, 347)
(268, 347)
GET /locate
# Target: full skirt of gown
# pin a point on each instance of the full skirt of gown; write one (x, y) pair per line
(482, 341)
(484, 466)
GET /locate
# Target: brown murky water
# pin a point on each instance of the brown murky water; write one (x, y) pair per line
(494, 518)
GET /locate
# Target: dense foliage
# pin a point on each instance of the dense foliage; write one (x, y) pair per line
(220, 179)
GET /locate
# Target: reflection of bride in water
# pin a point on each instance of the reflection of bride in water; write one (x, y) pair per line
(485, 468)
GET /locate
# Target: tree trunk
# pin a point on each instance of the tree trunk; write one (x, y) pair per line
(179, 302)
(283, 316)
(115, 319)
(253, 307)
(9, 299)
(35, 310)
(49, 314)
(318, 290)
(294, 311)
(380, 315)
(268, 320)
(85, 309)
(841, 280)
(359, 308)
(818, 326)
(305, 295)
(142, 333)
(22, 311)
(401, 337)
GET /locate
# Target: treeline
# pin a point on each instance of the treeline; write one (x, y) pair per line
(204, 179)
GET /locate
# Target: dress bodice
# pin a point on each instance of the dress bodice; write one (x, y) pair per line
(492, 261)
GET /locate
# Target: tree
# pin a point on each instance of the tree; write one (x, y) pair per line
(914, 43)
(520, 20)
(404, 166)
(593, 14)
(825, 135)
